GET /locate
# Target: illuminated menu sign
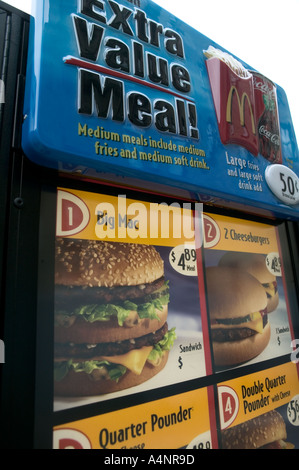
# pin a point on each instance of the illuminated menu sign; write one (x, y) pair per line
(124, 92)
(172, 329)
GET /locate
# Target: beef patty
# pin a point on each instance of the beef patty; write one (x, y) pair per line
(89, 351)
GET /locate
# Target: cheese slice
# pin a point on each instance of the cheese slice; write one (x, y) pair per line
(134, 360)
(270, 289)
(255, 323)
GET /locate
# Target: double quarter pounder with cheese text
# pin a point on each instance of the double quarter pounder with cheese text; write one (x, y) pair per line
(111, 307)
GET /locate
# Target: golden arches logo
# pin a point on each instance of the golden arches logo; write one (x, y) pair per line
(241, 105)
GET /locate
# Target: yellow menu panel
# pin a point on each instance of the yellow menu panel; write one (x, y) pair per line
(175, 421)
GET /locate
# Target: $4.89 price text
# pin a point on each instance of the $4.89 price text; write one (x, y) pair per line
(183, 260)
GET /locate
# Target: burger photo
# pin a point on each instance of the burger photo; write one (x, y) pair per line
(111, 307)
(237, 307)
(267, 431)
(255, 264)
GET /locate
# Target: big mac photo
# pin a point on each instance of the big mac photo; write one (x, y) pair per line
(111, 306)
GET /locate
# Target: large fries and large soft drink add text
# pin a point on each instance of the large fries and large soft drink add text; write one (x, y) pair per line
(133, 92)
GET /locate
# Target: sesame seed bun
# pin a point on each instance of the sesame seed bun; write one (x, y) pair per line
(254, 264)
(233, 293)
(84, 267)
(96, 263)
(255, 433)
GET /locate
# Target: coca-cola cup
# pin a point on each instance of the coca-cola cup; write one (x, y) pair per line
(267, 119)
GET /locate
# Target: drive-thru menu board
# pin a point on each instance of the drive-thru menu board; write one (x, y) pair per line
(154, 303)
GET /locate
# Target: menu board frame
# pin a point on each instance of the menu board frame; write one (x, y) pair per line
(131, 402)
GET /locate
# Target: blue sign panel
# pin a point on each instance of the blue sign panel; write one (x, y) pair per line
(124, 88)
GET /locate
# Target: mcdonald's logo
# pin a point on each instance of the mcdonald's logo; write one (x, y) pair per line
(241, 105)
